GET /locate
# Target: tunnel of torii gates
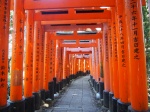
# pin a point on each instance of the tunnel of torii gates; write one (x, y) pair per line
(62, 43)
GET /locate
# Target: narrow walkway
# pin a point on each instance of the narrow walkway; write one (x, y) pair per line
(78, 97)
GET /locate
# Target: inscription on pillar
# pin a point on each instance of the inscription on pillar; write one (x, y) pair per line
(122, 41)
(134, 22)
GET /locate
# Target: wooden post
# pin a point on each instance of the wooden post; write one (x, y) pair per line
(4, 31)
(17, 58)
(28, 83)
(111, 65)
(36, 63)
(42, 90)
(123, 58)
(114, 32)
(64, 66)
(51, 74)
(101, 67)
(139, 95)
(106, 66)
(46, 62)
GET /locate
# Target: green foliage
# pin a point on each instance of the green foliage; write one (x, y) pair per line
(146, 24)
(11, 22)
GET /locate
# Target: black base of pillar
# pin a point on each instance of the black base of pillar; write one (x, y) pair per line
(114, 104)
(51, 90)
(55, 80)
(91, 77)
(98, 90)
(61, 85)
(95, 85)
(110, 102)
(130, 109)
(58, 87)
(30, 104)
(101, 89)
(73, 76)
(5, 108)
(18, 106)
(67, 78)
(93, 82)
(42, 92)
(47, 94)
(70, 77)
(64, 82)
(106, 98)
(78, 74)
(122, 107)
(37, 100)
(88, 71)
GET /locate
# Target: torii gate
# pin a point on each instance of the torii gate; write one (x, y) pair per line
(120, 48)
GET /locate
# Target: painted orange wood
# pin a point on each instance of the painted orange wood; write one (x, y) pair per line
(4, 31)
(17, 52)
(29, 55)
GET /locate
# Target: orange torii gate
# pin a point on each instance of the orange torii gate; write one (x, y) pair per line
(121, 51)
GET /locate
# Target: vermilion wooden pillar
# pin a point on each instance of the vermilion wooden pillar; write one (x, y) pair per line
(46, 63)
(81, 64)
(106, 65)
(67, 68)
(70, 66)
(123, 58)
(77, 66)
(54, 68)
(4, 31)
(96, 69)
(42, 91)
(56, 57)
(36, 63)
(64, 66)
(51, 61)
(114, 33)
(101, 67)
(51, 76)
(96, 60)
(61, 67)
(139, 95)
(74, 62)
(111, 64)
(16, 87)
(93, 67)
(98, 63)
(28, 83)
(87, 66)
(57, 66)
(90, 63)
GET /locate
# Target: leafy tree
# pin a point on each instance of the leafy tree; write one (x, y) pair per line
(146, 24)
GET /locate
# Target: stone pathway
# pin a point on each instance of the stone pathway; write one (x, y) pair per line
(78, 97)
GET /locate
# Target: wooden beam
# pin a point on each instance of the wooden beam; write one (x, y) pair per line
(59, 4)
(80, 52)
(78, 45)
(72, 16)
(49, 28)
(74, 21)
(74, 37)
(79, 49)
